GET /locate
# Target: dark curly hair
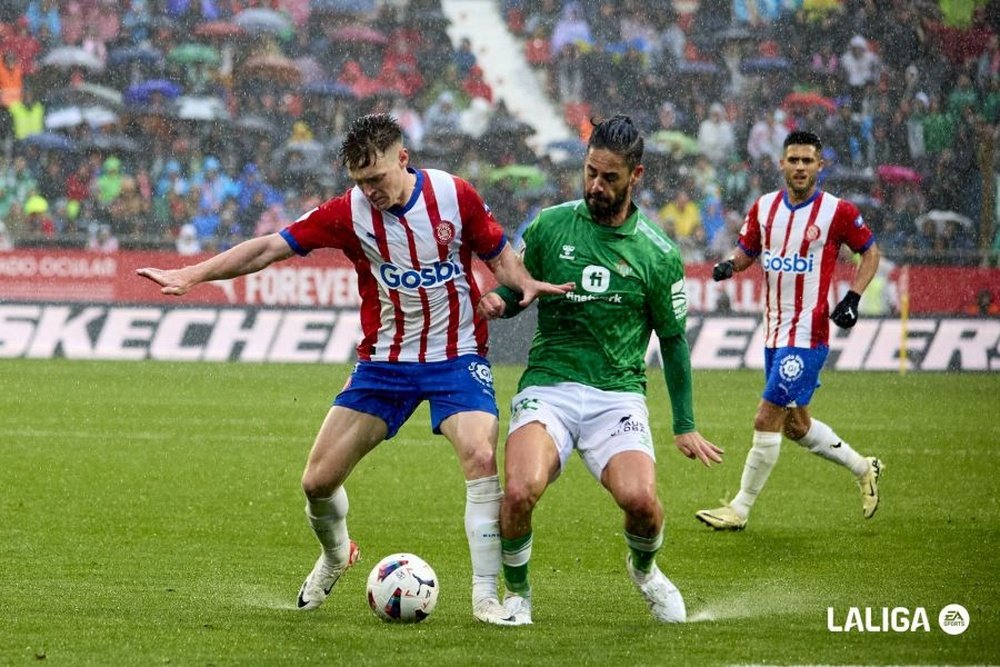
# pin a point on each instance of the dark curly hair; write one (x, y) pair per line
(367, 137)
(618, 134)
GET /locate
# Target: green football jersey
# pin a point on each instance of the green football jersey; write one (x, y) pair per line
(629, 283)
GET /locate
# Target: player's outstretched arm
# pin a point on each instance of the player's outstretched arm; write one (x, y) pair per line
(510, 272)
(247, 257)
(680, 388)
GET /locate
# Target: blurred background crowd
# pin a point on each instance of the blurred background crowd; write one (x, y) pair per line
(194, 124)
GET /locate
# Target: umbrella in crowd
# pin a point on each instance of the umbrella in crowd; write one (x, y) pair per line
(142, 93)
(274, 67)
(84, 94)
(343, 6)
(68, 57)
(329, 89)
(696, 67)
(803, 100)
(674, 142)
(221, 30)
(765, 66)
(193, 53)
(110, 143)
(142, 54)
(201, 108)
(941, 218)
(49, 141)
(358, 34)
(527, 175)
(894, 174)
(74, 116)
(254, 124)
(263, 21)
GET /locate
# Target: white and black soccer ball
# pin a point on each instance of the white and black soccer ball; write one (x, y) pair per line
(402, 588)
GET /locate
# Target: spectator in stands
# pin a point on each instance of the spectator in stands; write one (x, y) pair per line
(11, 79)
(475, 86)
(37, 221)
(43, 20)
(984, 305)
(442, 117)
(764, 145)
(680, 215)
(572, 26)
(464, 58)
(129, 211)
(716, 139)
(861, 67)
(101, 239)
(187, 241)
(28, 114)
(6, 243)
(844, 137)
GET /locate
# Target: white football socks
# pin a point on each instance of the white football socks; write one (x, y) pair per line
(760, 459)
(822, 441)
(482, 528)
(328, 518)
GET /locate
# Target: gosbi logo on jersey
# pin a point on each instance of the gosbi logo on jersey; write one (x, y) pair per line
(444, 232)
(788, 263)
(431, 275)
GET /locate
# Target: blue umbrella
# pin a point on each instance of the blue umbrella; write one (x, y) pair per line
(49, 141)
(764, 65)
(343, 6)
(142, 54)
(697, 67)
(327, 88)
(142, 93)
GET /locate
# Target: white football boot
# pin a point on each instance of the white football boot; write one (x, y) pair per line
(321, 580)
(519, 606)
(489, 610)
(662, 597)
(869, 486)
(722, 518)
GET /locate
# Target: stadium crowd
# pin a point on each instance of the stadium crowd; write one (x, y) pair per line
(195, 124)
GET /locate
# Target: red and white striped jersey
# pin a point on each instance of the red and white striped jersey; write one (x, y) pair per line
(798, 247)
(414, 264)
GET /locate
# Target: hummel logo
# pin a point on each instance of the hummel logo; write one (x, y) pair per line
(371, 236)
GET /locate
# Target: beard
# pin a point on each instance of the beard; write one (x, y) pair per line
(604, 209)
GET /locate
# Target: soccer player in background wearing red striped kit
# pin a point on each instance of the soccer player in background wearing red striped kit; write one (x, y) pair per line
(796, 233)
(411, 234)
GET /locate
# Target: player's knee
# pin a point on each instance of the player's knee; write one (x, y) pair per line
(315, 485)
(642, 507)
(795, 431)
(521, 496)
(481, 462)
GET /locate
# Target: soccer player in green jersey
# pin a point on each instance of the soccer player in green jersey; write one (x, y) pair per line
(584, 387)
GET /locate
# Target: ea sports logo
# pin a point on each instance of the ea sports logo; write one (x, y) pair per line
(791, 367)
(444, 232)
(954, 619)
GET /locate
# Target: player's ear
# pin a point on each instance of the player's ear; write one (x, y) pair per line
(404, 157)
(637, 173)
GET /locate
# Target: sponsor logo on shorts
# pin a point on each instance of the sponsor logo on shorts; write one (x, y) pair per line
(628, 425)
(791, 368)
(522, 406)
(481, 373)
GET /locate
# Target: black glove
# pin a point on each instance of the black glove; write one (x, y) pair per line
(722, 270)
(845, 315)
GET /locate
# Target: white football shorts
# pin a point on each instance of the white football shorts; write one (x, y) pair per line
(597, 423)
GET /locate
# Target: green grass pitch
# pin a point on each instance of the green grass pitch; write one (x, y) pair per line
(150, 514)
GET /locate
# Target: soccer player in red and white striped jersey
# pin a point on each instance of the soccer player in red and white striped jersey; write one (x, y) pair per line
(796, 234)
(411, 235)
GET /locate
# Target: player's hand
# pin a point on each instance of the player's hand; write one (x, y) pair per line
(694, 446)
(171, 281)
(723, 270)
(845, 315)
(535, 288)
(491, 306)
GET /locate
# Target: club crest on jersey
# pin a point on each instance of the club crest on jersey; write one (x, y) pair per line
(791, 367)
(481, 373)
(812, 233)
(444, 232)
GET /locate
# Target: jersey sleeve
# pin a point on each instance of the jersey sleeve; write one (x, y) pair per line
(849, 227)
(750, 236)
(479, 228)
(667, 295)
(326, 226)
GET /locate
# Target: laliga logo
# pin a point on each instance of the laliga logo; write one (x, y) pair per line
(791, 264)
(953, 620)
(437, 273)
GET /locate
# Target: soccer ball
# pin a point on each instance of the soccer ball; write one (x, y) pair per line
(402, 588)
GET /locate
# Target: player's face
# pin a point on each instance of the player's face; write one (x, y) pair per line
(801, 164)
(384, 181)
(607, 185)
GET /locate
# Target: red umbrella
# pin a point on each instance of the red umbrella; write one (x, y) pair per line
(359, 34)
(894, 174)
(805, 100)
(218, 30)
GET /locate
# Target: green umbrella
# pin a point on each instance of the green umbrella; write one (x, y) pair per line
(670, 141)
(524, 174)
(191, 53)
